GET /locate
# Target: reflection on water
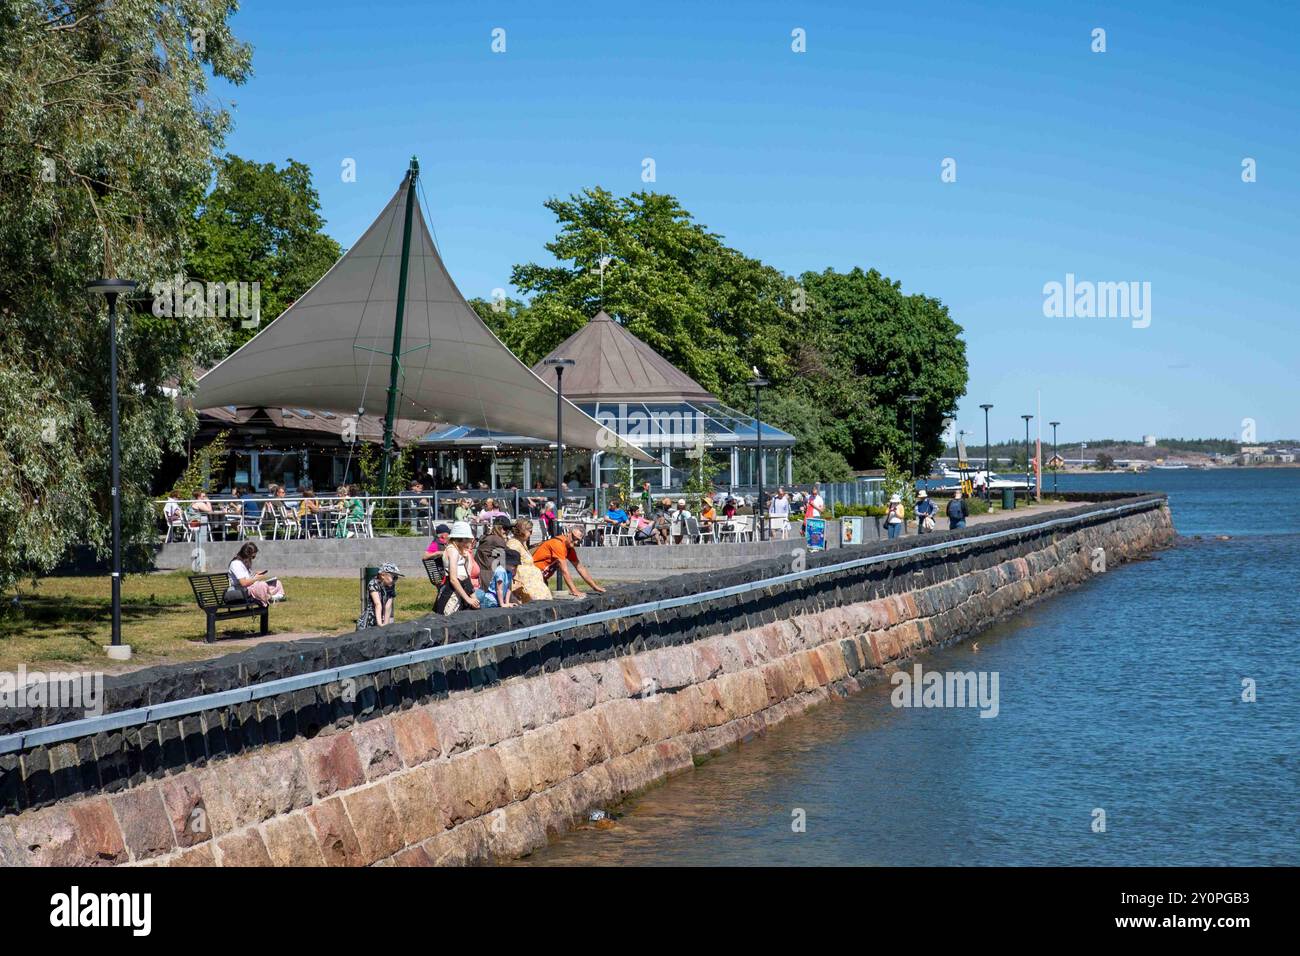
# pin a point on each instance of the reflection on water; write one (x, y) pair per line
(1123, 696)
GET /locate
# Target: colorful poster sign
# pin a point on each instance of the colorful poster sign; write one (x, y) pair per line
(815, 533)
(850, 531)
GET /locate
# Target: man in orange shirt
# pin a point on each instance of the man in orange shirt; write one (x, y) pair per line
(558, 553)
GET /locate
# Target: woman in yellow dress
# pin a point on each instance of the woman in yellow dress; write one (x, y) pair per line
(529, 584)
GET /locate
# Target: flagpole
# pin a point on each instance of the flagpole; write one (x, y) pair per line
(1038, 452)
(396, 362)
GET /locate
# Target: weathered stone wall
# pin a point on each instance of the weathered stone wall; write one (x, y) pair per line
(491, 770)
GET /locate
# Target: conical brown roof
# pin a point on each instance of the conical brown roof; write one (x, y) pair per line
(613, 365)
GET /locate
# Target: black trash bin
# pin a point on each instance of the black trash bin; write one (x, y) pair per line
(1008, 499)
(366, 574)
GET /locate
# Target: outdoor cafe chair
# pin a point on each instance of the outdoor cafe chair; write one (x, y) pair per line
(178, 523)
(249, 526)
(691, 531)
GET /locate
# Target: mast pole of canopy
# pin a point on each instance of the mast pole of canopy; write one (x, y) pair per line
(396, 363)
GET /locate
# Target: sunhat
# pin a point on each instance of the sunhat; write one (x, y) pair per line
(922, 494)
(682, 502)
(460, 529)
(895, 499)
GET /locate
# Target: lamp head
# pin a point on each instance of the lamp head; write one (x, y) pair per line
(110, 286)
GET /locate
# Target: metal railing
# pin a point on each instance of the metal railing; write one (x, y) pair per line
(74, 729)
(414, 513)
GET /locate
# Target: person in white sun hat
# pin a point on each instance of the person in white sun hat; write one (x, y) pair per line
(895, 516)
(380, 598)
(462, 572)
(925, 512)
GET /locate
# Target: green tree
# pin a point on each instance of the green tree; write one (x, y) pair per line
(261, 224)
(106, 137)
(840, 349)
(894, 345)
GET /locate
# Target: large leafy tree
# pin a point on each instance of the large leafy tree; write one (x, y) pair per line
(708, 309)
(841, 349)
(261, 224)
(106, 138)
(895, 345)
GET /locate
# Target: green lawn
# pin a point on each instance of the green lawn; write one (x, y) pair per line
(67, 619)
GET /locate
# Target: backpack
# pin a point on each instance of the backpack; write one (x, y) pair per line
(956, 509)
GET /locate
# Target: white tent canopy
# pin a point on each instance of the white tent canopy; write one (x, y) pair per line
(331, 349)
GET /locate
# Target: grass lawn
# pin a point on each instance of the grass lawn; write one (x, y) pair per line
(68, 619)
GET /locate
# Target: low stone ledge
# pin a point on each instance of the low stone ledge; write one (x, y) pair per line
(113, 761)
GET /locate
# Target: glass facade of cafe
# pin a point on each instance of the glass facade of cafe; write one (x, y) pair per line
(681, 435)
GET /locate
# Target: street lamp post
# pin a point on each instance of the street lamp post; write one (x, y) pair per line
(110, 289)
(911, 401)
(1055, 466)
(559, 364)
(758, 383)
(986, 408)
(1026, 418)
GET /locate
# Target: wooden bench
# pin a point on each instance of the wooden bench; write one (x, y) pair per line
(210, 593)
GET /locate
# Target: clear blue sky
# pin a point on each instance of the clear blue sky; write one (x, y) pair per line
(1115, 166)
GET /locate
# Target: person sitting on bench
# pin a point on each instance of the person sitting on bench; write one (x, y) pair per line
(248, 584)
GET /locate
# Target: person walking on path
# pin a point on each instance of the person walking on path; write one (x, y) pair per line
(895, 516)
(925, 511)
(957, 512)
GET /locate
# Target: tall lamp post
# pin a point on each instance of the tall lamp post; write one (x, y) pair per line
(110, 289)
(986, 408)
(758, 383)
(1055, 466)
(911, 401)
(559, 364)
(1026, 418)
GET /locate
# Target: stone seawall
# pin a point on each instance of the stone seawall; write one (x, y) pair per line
(493, 768)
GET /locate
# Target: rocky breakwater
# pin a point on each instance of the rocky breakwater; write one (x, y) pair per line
(493, 772)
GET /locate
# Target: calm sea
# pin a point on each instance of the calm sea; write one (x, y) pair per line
(1123, 696)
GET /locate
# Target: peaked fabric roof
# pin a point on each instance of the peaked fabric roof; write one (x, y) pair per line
(613, 365)
(330, 349)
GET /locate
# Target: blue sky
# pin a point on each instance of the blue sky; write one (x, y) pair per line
(1116, 167)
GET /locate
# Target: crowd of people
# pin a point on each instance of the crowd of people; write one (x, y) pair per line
(500, 568)
(486, 558)
(245, 512)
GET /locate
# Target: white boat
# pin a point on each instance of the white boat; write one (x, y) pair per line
(1174, 466)
(993, 481)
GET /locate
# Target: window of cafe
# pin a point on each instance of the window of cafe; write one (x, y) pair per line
(773, 473)
(616, 472)
(509, 472)
(281, 468)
